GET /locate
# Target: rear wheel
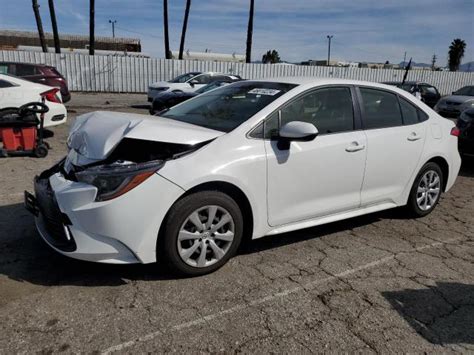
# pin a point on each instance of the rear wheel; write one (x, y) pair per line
(426, 190)
(202, 232)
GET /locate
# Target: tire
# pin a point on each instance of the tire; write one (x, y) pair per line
(429, 199)
(180, 222)
(41, 151)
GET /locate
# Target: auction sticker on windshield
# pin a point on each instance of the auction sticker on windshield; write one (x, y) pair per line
(269, 92)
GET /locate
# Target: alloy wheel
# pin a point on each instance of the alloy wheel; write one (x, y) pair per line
(206, 236)
(428, 190)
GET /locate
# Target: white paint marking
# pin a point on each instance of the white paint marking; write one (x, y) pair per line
(269, 298)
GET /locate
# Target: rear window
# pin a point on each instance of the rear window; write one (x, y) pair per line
(25, 70)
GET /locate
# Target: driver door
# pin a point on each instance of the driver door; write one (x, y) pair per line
(319, 177)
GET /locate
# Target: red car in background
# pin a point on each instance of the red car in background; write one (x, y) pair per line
(38, 73)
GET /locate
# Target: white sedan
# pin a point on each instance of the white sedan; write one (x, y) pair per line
(188, 82)
(253, 158)
(15, 92)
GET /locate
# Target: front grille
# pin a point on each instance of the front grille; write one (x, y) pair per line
(453, 103)
(159, 89)
(55, 222)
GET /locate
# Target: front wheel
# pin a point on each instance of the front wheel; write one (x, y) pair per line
(426, 190)
(201, 233)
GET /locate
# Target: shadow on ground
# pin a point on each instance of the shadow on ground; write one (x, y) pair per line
(442, 314)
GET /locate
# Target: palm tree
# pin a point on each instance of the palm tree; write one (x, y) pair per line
(455, 54)
(271, 57)
(39, 24)
(185, 26)
(91, 27)
(165, 24)
(54, 25)
(248, 52)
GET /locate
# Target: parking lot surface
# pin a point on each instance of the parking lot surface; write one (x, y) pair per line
(378, 283)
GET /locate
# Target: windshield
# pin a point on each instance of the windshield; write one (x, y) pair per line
(226, 108)
(183, 78)
(210, 87)
(466, 91)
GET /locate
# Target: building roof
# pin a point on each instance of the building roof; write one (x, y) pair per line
(69, 37)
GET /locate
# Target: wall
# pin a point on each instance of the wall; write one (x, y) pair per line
(127, 74)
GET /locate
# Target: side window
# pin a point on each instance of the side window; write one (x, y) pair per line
(5, 84)
(381, 109)
(215, 78)
(3, 68)
(409, 112)
(202, 79)
(271, 126)
(329, 109)
(427, 89)
(25, 70)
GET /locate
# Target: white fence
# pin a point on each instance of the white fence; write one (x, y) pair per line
(127, 74)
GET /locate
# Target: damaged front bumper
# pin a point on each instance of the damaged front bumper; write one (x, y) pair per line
(121, 230)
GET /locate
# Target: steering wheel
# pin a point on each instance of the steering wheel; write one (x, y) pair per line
(33, 107)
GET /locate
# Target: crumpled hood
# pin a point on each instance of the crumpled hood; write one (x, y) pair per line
(94, 135)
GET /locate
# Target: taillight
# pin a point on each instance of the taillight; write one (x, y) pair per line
(455, 132)
(51, 96)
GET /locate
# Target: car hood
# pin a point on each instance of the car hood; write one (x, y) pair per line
(161, 84)
(95, 135)
(457, 98)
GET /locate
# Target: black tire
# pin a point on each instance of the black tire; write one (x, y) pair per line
(412, 206)
(167, 247)
(41, 151)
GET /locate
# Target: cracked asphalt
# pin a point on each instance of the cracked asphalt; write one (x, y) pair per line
(375, 284)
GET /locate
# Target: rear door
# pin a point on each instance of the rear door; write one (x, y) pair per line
(395, 140)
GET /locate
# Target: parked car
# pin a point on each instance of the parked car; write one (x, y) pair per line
(465, 124)
(169, 99)
(188, 82)
(38, 73)
(253, 158)
(429, 94)
(459, 101)
(15, 92)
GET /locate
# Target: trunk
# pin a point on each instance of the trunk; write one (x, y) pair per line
(57, 46)
(185, 26)
(165, 24)
(39, 24)
(248, 52)
(91, 27)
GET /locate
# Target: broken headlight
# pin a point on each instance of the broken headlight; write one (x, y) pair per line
(113, 180)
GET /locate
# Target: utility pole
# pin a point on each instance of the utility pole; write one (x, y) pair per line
(91, 27)
(404, 59)
(39, 24)
(329, 48)
(113, 27)
(433, 62)
(54, 25)
(185, 27)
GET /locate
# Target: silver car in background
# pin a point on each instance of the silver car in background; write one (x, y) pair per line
(453, 105)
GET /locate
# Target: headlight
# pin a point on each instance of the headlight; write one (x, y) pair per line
(115, 179)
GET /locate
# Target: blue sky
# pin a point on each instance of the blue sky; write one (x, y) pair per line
(364, 30)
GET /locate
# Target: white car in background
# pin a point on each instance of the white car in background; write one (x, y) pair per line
(253, 158)
(15, 92)
(188, 82)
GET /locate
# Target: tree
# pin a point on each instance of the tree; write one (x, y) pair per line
(91, 27)
(248, 52)
(455, 54)
(39, 24)
(165, 24)
(185, 26)
(271, 57)
(54, 25)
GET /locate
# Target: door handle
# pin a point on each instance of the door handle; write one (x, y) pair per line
(414, 137)
(355, 147)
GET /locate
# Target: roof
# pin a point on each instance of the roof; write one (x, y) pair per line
(70, 37)
(35, 64)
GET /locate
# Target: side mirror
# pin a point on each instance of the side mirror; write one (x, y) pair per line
(193, 82)
(298, 131)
